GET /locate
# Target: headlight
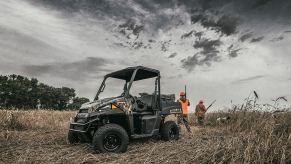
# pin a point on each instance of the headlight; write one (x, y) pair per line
(82, 115)
(114, 106)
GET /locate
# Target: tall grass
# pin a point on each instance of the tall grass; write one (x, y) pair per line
(34, 119)
(255, 133)
(250, 136)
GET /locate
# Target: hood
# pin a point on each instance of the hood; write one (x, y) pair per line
(94, 105)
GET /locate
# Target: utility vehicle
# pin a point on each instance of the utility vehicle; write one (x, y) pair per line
(110, 123)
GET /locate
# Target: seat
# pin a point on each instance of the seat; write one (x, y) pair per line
(144, 102)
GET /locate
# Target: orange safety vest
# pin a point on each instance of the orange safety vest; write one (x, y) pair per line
(184, 106)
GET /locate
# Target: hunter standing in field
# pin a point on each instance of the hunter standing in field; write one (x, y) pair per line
(200, 111)
(184, 104)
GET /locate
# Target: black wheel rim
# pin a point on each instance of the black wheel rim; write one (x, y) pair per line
(111, 142)
(172, 133)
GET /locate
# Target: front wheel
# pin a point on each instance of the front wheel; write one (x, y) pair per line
(110, 138)
(170, 131)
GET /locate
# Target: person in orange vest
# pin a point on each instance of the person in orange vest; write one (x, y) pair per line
(200, 111)
(184, 104)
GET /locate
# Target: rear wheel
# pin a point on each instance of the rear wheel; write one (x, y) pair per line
(170, 131)
(110, 138)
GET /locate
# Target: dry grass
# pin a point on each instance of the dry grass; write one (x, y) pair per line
(250, 136)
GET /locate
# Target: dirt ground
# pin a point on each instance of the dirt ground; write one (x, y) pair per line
(41, 138)
(42, 146)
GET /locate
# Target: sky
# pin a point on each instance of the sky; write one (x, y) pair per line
(220, 49)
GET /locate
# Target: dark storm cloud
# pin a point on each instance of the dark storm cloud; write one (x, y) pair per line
(98, 8)
(148, 13)
(233, 53)
(225, 24)
(190, 62)
(246, 36)
(165, 45)
(137, 17)
(173, 55)
(248, 79)
(140, 10)
(130, 27)
(188, 34)
(207, 45)
(277, 39)
(88, 68)
(195, 18)
(260, 11)
(134, 17)
(258, 39)
(191, 33)
(207, 55)
(199, 34)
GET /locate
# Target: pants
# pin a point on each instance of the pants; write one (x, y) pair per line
(180, 117)
(200, 120)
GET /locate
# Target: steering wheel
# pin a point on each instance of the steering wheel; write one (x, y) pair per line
(133, 98)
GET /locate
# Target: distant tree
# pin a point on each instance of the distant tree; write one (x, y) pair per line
(20, 92)
(77, 102)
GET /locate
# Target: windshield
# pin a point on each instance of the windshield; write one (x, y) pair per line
(113, 88)
(143, 86)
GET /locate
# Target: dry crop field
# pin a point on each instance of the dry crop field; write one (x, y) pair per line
(39, 136)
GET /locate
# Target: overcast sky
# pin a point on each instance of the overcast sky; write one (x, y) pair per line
(220, 49)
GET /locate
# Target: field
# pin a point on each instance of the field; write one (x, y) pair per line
(39, 136)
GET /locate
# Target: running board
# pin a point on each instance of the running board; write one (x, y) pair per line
(135, 136)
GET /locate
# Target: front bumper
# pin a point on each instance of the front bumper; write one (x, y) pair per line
(81, 127)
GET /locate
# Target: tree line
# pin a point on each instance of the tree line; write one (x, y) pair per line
(20, 92)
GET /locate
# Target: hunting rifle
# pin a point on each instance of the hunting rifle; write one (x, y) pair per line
(211, 104)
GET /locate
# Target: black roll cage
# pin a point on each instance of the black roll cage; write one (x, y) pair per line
(130, 75)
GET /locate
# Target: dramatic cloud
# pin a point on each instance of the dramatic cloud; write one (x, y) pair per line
(151, 15)
(233, 53)
(258, 39)
(207, 55)
(192, 33)
(225, 24)
(173, 55)
(72, 43)
(209, 50)
(277, 39)
(165, 45)
(245, 36)
(207, 45)
(190, 62)
(188, 34)
(79, 70)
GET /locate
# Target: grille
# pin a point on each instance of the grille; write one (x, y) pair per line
(81, 120)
